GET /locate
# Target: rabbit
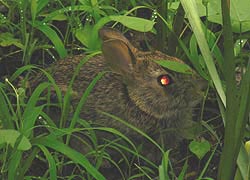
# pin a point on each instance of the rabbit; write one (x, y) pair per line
(134, 88)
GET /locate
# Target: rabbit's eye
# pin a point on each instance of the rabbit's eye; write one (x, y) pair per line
(164, 80)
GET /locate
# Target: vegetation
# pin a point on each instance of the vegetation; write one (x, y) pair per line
(211, 36)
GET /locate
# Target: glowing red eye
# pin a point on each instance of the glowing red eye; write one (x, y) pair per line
(165, 80)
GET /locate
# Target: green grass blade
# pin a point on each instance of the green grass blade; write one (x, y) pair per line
(134, 128)
(13, 165)
(53, 37)
(195, 22)
(31, 112)
(242, 119)
(67, 9)
(116, 132)
(51, 161)
(41, 4)
(72, 154)
(21, 70)
(83, 100)
(33, 9)
(244, 106)
(46, 74)
(6, 110)
(84, 96)
(163, 168)
(183, 171)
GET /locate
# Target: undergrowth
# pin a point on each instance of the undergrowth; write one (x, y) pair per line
(36, 132)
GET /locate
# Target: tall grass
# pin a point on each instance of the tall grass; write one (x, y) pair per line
(19, 133)
(235, 99)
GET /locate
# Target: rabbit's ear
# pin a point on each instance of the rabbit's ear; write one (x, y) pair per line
(118, 55)
(107, 34)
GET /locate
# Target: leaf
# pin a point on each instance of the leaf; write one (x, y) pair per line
(199, 148)
(7, 39)
(183, 171)
(163, 168)
(32, 112)
(243, 162)
(33, 9)
(175, 66)
(51, 161)
(195, 22)
(41, 4)
(10, 136)
(83, 8)
(135, 23)
(6, 109)
(53, 37)
(239, 14)
(83, 33)
(77, 157)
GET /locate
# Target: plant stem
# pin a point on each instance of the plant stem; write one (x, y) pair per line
(177, 27)
(230, 150)
(161, 27)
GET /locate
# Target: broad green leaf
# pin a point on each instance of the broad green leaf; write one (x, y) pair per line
(10, 136)
(200, 149)
(239, 14)
(175, 66)
(135, 23)
(83, 34)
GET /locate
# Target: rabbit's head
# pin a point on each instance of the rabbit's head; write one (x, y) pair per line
(157, 91)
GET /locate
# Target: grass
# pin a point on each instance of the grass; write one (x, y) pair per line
(35, 31)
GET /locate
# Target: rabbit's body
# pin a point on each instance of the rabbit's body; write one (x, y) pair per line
(134, 88)
(135, 95)
(131, 88)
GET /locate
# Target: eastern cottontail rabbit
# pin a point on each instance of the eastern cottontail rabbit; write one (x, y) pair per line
(135, 88)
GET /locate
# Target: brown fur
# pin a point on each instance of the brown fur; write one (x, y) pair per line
(130, 89)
